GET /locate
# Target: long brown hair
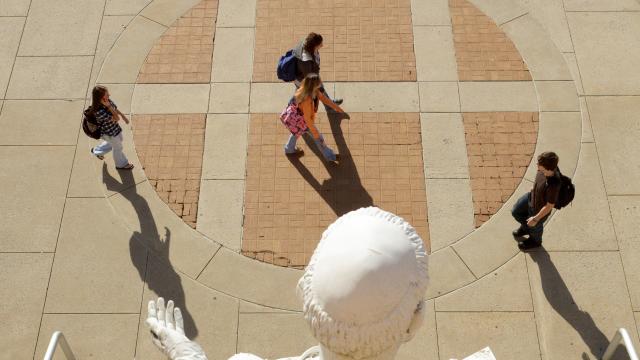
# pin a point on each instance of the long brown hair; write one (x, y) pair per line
(311, 42)
(309, 84)
(97, 94)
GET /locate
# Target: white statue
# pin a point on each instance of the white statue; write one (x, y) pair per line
(362, 292)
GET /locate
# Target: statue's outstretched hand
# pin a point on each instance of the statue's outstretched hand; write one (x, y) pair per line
(167, 329)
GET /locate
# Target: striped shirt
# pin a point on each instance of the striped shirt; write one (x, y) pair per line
(104, 118)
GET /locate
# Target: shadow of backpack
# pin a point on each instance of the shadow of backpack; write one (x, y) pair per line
(566, 193)
(90, 124)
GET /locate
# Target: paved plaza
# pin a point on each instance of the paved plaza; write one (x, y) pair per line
(449, 103)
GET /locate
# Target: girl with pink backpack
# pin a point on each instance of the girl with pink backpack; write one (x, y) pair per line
(300, 115)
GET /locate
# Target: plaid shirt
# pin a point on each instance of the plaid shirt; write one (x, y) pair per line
(104, 117)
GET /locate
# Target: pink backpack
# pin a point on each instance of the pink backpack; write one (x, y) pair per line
(293, 119)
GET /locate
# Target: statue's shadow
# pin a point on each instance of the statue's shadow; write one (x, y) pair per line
(155, 269)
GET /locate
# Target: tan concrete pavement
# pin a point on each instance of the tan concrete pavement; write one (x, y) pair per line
(85, 246)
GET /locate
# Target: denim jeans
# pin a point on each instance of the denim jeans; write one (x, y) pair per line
(521, 212)
(112, 143)
(290, 146)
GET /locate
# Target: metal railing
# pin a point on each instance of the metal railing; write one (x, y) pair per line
(621, 336)
(58, 339)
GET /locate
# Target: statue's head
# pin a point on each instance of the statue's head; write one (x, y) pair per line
(364, 287)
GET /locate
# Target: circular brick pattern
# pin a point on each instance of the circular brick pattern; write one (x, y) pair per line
(289, 202)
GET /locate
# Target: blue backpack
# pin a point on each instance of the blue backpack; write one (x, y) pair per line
(287, 67)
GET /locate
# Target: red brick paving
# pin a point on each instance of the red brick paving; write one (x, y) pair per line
(290, 202)
(499, 147)
(184, 52)
(483, 51)
(364, 40)
(170, 148)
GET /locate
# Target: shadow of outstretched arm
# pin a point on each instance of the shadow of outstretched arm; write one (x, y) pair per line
(154, 269)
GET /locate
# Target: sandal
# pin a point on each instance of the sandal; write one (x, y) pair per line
(96, 155)
(126, 167)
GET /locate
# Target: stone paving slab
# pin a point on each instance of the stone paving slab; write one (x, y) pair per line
(227, 98)
(511, 335)
(447, 272)
(24, 279)
(439, 96)
(252, 280)
(557, 96)
(167, 11)
(84, 181)
(430, 13)
(110, 30)
(424, 344)
(79, 21)
(585, 224)
(14, 7)
(450, 209)
(477, 96)
(504, 289)
(236, 13)
(225, 148)
(558, 132)
(233, 55)
(220, 211)
(580, 299)
(37, 172)
(499, 11)
(118, 262)
(551, 15)
(160, 230)
(625, 211)
(444, 147)
(210, 317)
(492, 244)
(608, 51)
(595, 5)
(544, 60)
(170, 98)
(572, 63)
(101, 336)
(124, 7)
(11, 29)
(256, 335)
(615, 128)
(587, 132)
(40, 122)
(378, 97)
(49, 77)
(434, 51)
(122, 63)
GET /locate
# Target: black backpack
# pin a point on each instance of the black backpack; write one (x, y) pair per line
(90, 124)
(566, 193)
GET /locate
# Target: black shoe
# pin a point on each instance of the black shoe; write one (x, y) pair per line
(520, 232)
(337, 101)
(529, 244)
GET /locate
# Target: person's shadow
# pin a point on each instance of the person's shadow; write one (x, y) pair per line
(160, 276)
(560, 298)
(343, 191)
